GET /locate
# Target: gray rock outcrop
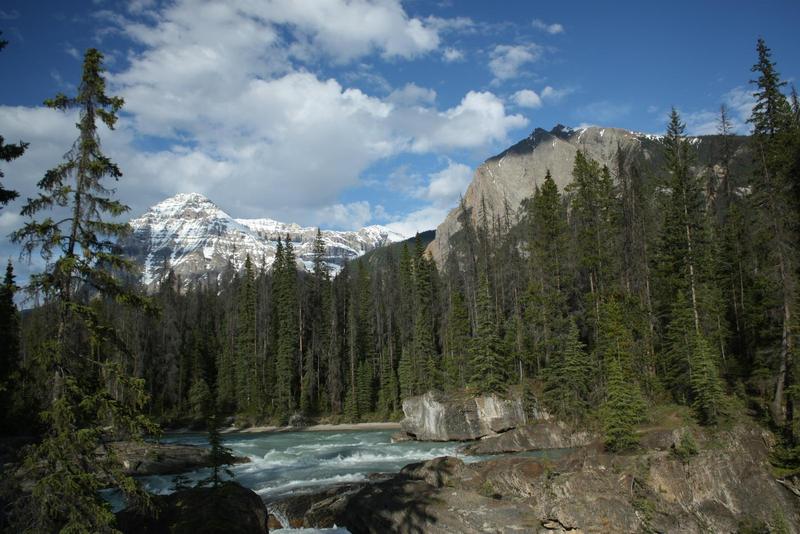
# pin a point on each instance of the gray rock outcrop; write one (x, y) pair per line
(435, 416)
(533, 437)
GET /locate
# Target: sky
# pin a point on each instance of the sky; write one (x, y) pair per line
(343, 113)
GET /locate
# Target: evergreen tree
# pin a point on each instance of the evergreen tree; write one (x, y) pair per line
(456, 361)
(248, 386)
(624, 405)
(9, 349)
(285, 296)
(8, 153)
(706, 385)
(425, 353)
(567, 379)
(488, 358)
(618, 421)
(776, 207)
(90, 391)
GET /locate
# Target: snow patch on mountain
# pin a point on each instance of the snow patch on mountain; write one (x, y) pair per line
(193, 237)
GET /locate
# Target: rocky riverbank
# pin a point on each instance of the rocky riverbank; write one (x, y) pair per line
(148, 458)
(724, 484)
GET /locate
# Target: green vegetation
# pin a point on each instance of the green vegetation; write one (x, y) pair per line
(670, 278)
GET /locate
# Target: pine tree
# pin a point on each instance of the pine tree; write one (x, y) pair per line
(90, 392)
(248, 386)
(425, 353)
(707, 394)
(456, 361)
(618, 423)
(8, 153)
(776, 208)
(567, 379)
(682, 248)
(624, 405)
(9, 349)
(488, 358)
(285, 292)
(593, 208)
(200, 398)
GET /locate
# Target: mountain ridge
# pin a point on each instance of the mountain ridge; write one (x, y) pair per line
(190, 235)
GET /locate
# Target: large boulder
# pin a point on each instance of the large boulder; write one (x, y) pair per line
(141, 458)
(226, 508)
(435, 416)
(533, 437)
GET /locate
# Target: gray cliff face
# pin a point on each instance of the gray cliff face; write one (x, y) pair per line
(437, 417)
(511, 176)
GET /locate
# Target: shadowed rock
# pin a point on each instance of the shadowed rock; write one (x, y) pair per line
(225, 509)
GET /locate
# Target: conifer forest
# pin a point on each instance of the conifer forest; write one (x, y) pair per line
(664, 283)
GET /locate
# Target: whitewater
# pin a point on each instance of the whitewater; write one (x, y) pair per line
(288, 463)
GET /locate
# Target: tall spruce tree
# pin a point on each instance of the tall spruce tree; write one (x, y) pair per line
(773, 138)
(9, 349)
(92, 398)
(488, 351)
(285, 297)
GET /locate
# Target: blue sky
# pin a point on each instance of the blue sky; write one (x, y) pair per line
(342, 113)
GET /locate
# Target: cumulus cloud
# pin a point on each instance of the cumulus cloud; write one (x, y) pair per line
(426, 218)
(527, 98)
(446, 186)
(219, 94)
(412, 94)
(506, 60)
(554, 95)
(456, 127)
(552, 29)
(347, 216)
(451, 55)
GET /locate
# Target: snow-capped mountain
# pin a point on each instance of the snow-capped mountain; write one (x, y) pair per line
(196, 239)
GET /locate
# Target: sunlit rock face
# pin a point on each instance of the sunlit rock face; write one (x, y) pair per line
(502, 182)
(437, 417)
(194, 238)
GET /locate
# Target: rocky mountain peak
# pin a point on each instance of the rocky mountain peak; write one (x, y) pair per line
(190, 235)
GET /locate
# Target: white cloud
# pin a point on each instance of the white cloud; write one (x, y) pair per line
(412, 94)
(527, 98)
(739, 101)
(552, 29)
(347, 216)
(347, 29)
(235, 120)
(457, 127)
(451, 55)
(427, 218)
(506, 60)
(447, 185)
(554, 95)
